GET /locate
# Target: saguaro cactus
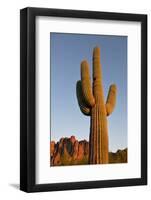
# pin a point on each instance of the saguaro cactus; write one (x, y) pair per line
(91, 102)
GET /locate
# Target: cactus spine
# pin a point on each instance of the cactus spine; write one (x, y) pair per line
(91, 103)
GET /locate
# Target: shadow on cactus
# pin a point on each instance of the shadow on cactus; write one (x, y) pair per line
(91, 102)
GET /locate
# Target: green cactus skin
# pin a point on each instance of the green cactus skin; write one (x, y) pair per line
(91, 103)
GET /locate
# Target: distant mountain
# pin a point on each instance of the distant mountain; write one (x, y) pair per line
(119, 157)
(69, 151)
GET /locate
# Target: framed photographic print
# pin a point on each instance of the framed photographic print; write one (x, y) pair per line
(83, 99)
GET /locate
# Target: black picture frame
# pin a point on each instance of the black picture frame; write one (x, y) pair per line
(28, 99)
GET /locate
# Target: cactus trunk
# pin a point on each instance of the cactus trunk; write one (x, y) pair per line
(92, 103)
(98, 131)
(98, 137)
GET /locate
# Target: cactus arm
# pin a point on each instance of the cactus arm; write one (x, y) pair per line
(111, 100)
(86, 85)
(84, 109)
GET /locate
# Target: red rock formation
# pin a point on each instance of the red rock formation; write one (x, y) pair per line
(69, 151)
(52, 148)
(72, 139)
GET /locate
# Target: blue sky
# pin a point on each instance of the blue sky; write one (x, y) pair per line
(67, 52)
